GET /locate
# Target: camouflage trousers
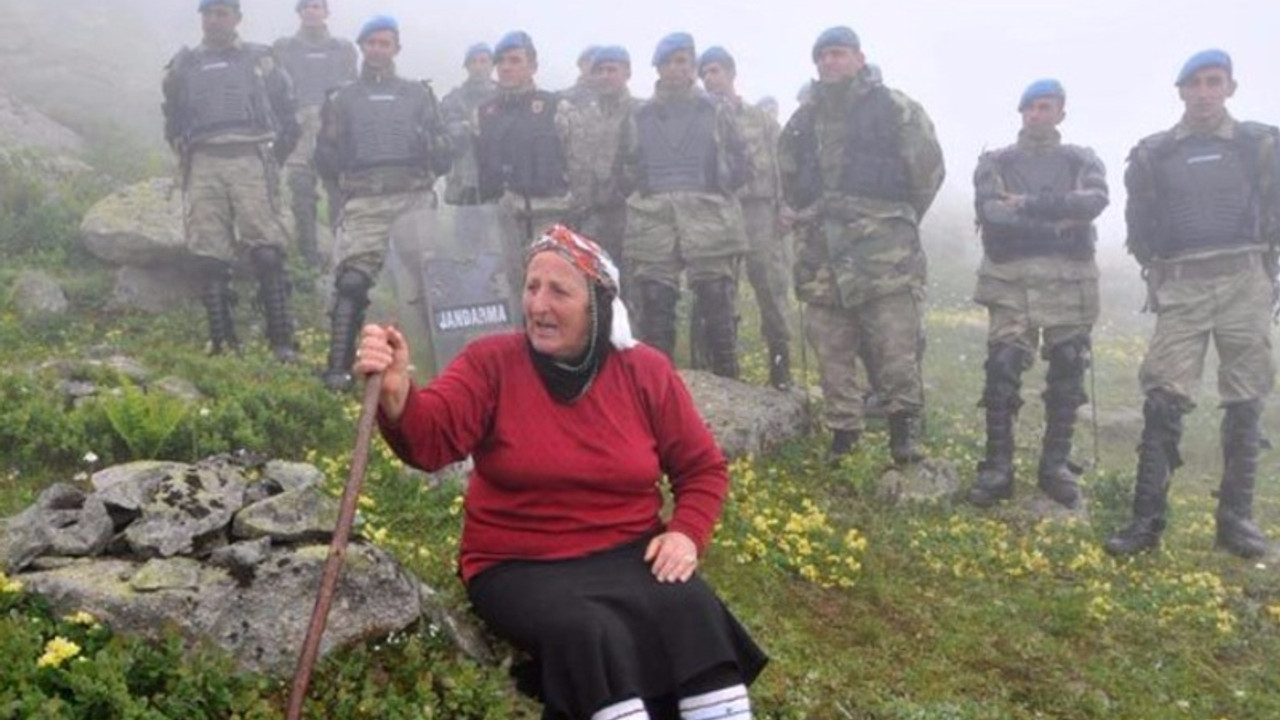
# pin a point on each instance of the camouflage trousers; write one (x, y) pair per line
(885, 332)
(697, 234)
(1044, 299)
(768, 269)
(364, 232)
(1200, 300)
(231, 201)
(300, 173)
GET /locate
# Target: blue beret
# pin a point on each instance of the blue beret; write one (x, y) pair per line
(611, 53)
(588, 53)
(671, 43)
(378, 23)
(477, 49)
(839, 36)
(1202, 60)
(514, 40)
(718, 55)
(1047, 87)
(205, 4)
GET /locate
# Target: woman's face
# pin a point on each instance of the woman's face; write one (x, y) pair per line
(557, 306)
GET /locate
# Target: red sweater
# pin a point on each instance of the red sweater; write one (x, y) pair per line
(554, 481)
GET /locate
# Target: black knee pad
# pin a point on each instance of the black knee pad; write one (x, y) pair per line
(266, 257)
(352, 283)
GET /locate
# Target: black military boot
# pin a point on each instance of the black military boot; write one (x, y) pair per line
(218, 299)
(1063, 395)
(349, 303)
(780, 366)
(1241, 442)
(843, 442)
(715, 300)
(904, 436)
(1157, 459)
(273, 293)
(658, 316)
(303, 200)
(1001, 398)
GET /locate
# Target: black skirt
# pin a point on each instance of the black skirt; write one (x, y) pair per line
(601, 629)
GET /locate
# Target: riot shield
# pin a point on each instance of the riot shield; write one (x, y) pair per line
(457, 271)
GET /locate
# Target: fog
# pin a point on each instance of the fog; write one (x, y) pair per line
(966, 63)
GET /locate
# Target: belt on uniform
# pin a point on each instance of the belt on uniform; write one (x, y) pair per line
(1211, 267)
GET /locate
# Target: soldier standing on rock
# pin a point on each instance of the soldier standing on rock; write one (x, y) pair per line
(458, 108)
(316, 62)
(1036, 201)
(383, 143)
(860, 165)
(230, 115)
(768, 265)
(1204, 221)
(683, 160)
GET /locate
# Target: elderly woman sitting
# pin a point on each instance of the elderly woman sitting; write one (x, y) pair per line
(572, 425)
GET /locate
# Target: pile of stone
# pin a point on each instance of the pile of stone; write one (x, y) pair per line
(219, 551)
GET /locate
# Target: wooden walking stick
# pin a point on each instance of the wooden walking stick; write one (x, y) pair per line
(337, 549)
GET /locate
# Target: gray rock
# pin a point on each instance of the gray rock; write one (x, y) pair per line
(926, 481)
(36, 295)
(189, 513)
(262, 623)
(469, 637)
(63, 521)
(140, 225)
(746, 419)
(302, 515)
(180, 388)
(291, 475)
(132, 486)
(153, 289)
(179, 573)
(241, 557)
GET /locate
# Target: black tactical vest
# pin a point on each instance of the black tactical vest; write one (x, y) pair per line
(519, 149)
(1205, 194)
(385, 125)
(222, 93)
(1038, 173)
(315, 68)
(873, 165)
(677, 144)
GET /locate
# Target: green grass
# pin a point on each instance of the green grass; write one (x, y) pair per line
(929, 612)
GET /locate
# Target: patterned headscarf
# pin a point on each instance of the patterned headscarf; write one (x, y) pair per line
(592, 261)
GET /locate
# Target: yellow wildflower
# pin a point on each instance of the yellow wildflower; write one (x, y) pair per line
(82, 618)
(57, 651)
(9, 586)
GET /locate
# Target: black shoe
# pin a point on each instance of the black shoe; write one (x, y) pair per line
(994, 483)
(1140, 535)
(1059, 483)
(904, 431)
(843, 442)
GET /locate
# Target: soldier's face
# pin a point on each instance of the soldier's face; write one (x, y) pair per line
(380, 49)
(1043, 113)
(717, 79)
(611, 78)
(314, 14)
(516, 69)
(219, 21)
(557, 305)
(1205, 94)
(839, 63)
(480, 66)
(679, 67)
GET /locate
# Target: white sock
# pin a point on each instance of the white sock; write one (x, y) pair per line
(731, 703)
(632, 709)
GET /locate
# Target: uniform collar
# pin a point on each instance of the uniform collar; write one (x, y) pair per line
(313, 35)
(387, 74)
(1225, 130)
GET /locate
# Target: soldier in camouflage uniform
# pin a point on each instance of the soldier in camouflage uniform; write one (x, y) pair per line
(383, 143)
(1036, 201)
(458, 108)
(860, 165)
(522, 141)
(584, 88)
(602, 206)
(1204, 221)
(768, 265)
(316, 62)
(230, 115)
(683, 160)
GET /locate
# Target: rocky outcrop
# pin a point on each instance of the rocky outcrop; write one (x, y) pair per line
(22, 126)
(746, 419)
(36, 295)
(140, 226)
(219, 551)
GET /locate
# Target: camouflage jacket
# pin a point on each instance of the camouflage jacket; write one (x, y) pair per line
(1143, 216)
(851, 249)
(759, 134)
(593, 150)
